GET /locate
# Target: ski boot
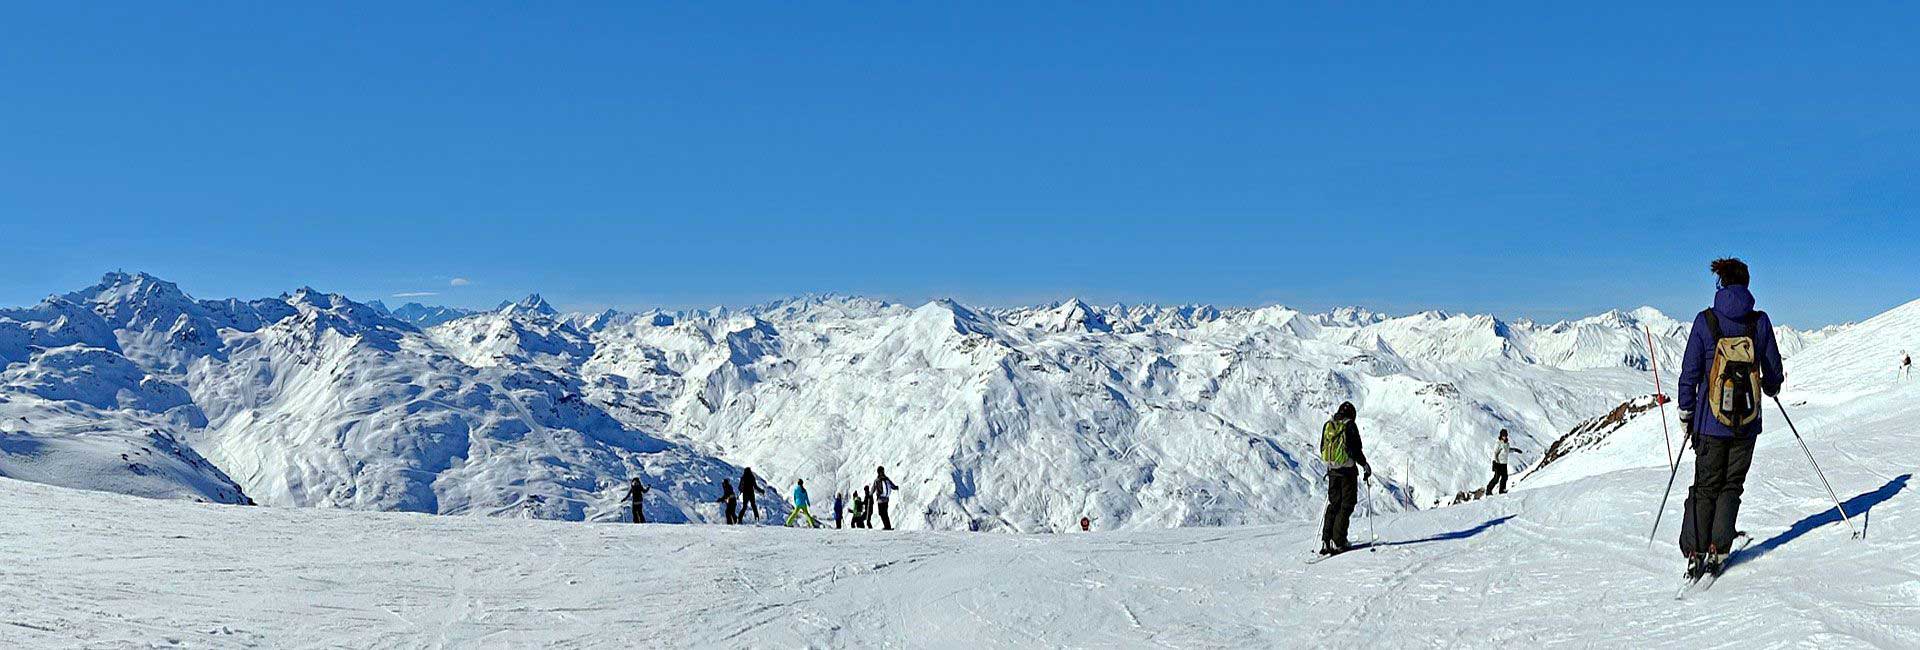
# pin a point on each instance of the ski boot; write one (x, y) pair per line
(1717, 564)
(1696, 566)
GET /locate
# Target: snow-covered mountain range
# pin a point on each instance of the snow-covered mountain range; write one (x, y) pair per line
(1562, 561)
(991, 419)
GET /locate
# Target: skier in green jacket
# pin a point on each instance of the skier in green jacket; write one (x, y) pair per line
(1340, 449)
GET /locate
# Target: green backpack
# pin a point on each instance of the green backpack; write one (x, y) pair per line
(1333, 442)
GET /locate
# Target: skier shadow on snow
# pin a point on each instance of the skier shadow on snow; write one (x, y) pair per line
(1447, 537)
(1860, 506)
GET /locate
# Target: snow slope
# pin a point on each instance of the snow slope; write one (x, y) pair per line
(1567, 565)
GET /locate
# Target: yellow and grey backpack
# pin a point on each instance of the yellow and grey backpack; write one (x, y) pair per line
(1733, 381)
(1333, 443)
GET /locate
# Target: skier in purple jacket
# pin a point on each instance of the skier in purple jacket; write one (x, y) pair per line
(1722, 453)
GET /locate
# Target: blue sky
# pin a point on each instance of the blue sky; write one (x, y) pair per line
(1521, 160)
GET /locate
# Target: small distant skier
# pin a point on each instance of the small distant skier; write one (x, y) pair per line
(1906, 366)
(1731, 359)
(1340, 448)
(839, 505)
(859, 511)
(800, 504)
(749, 491)
(635, 491)
(883, 488)
(1086, 524)
(728, 499)
(1500, 453)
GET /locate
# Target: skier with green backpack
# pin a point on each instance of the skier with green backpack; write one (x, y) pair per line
(1732, 360)
(1340, 449)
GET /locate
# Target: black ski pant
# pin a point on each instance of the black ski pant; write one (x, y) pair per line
(731, 517)
(1343, 492)
(747, 503)
(639, 517)
(886, 523)
(1499, 478)
(1713, 504)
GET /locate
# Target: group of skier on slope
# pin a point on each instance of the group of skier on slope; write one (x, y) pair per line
(1341, 449)
(876, 497)
(1731, 361)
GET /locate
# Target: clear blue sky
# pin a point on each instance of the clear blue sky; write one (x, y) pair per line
(1521, 160)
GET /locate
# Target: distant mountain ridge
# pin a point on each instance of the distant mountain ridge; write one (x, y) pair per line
(991, 419)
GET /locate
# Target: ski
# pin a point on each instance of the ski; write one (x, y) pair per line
(1322, 557)
(1699, 585)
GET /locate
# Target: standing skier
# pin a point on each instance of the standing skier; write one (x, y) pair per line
(859, 511)
(636, 490)
(728, 499)
(749, 489)
(1906, 366)
(1340, 449)
(800, 503)
(883, 488)
(1731, 359)
(1500, 452)
(839, 504)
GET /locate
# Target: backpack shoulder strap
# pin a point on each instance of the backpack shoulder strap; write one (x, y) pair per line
(1713, 323)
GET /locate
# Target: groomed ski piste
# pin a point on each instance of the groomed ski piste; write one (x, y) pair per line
(1565, 562)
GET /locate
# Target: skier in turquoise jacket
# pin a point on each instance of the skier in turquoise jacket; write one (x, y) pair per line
(800, 504)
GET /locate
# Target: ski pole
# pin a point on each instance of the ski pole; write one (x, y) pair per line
(1373, 546)
(1816, 467)
(1663, 496)
(1660, 398)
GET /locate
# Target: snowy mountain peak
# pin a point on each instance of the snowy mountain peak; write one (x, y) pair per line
(424, 316)
(1349, 317)
(532, 305)
(123, 297)
(323, 310)
(592, 322)
(1070, 316)
(1649, 315)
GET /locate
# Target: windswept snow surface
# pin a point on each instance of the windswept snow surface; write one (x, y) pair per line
(1567, 565)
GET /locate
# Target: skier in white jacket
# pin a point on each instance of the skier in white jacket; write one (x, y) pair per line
(1500, 454)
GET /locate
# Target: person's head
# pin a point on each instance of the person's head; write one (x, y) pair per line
(635, 481)
(800, 482)
(1345, 412)
(1731, 271)
(882, 470)
(1085, 523)
(726, 484)
(1503, 434)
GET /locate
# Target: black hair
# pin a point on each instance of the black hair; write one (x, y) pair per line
(1345, 412)
(1732, 271)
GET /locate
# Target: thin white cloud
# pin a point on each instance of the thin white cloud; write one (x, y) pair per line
(415, 294)
(459, 282)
